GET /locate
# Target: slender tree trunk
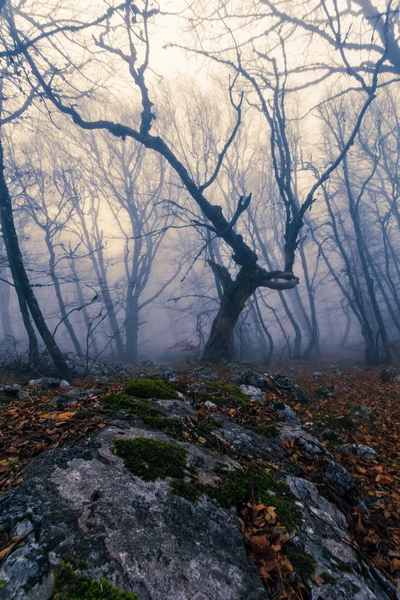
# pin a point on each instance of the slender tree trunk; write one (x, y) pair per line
(5, 305)
(20, 276)
(81, 301)
(60, 299)
(265, 330)
(132, 328)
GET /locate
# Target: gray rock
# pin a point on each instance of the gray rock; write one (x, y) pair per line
(46, 382)
(285, 413)
(340, 479)
(12, 392)
(168, 375)
(252, 391)
(324, 536)
(330, 436)
(206, 374)
(79, 500)
(317, 374)
(360, 450)
(305, 440)
(175, 409)
(364, 412)
(292, 389)
(250, 377)
(102, 379)
(64, 385)
(249, 442)
(73, 397)
(390, 375)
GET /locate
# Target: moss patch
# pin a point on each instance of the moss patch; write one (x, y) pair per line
(190, 490)
(224, 394)
(268, 431)
(70, 585)
(239, 486)
(150, 415)
(304, 564)
(328, 579)
(151, 459)
(143, 387)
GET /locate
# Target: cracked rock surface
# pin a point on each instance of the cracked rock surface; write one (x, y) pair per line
(79, 500)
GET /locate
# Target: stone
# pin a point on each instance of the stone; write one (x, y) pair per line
(46, 382)
(298, 395)
(305, 440)
(360, 450)
(12, 392)
(74, 396)
(250, 377)
(80, 501)
(364, 412)
(206, 374)
(175, 409)
(168, 375)
(390, 375)
(330, 436)
(101, 379)
(340, 479)
(317, 374)
(247, 441)
(285, 413)
(324, 536)
(64, 385)
(252, 391)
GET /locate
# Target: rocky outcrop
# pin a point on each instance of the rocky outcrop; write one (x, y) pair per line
(337, 564)
(79, 500)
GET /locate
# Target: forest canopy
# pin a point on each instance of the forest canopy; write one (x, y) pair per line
(212, 179)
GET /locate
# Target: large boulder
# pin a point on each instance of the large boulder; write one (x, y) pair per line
(79, 500)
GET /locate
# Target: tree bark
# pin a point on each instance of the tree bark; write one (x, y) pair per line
(20, 276)
(235, 295)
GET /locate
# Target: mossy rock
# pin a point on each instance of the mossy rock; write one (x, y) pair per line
(145, 411)
(224, 394)
(143, 387)
(70, 585)
(268, 431)
(190, 490)
(328, 579)
(151, 459)
(205, 427)
(239, 486)
(304, 564)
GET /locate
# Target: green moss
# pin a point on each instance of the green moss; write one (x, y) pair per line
(328, 578)
(268, 431)
(239, 486)
(150, 415)
(342, 566)
(152, 459)
(304, 564)
(204, 427)
(143, 387)
(70, 585)
(191, 490)
(224, 394)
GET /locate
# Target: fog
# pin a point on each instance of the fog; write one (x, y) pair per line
(199, 181)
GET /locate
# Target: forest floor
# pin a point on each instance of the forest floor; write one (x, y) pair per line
(31, 426)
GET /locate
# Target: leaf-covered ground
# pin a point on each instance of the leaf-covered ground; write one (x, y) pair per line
(29, 427)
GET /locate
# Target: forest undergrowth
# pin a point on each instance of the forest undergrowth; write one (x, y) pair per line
(352, 403)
